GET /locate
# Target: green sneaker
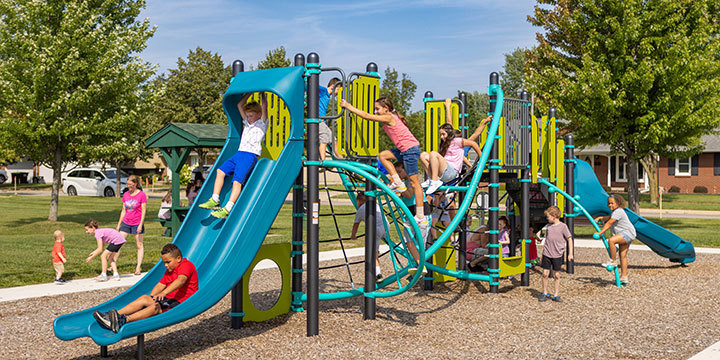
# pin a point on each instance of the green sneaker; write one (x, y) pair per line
(210, 204)
(220, 214)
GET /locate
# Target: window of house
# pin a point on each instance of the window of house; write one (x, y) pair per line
(682, 167)
(621, 170)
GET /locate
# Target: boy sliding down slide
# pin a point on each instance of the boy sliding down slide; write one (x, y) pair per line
(179, 283)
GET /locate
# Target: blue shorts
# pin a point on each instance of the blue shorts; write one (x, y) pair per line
(239, 166)
(131, 229)
(627, 237)
(409, 158)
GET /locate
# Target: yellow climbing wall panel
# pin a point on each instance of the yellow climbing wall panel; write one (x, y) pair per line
(434, 118)
(364, 135)
(278, 125)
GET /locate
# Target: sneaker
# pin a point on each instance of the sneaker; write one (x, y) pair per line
(378, 277)
(60, 281)
(434, 185)
(103, 319)
(220, 214)
(425, 183)
(413, 270)
(116, 320)
(610, 263)
(421, 221)
(557, 299)
(624, 280)
(210, 204)
(544, 297)
(116, 277)
(101, 278)
(400, 188)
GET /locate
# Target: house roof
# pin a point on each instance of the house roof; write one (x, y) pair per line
(188, 135)
(712, 144)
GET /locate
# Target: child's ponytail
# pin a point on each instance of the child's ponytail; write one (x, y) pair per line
(384, 101)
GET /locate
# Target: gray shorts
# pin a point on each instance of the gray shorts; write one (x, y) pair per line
(449, 174)
(325, 133)
(627, 237)
(480, 252)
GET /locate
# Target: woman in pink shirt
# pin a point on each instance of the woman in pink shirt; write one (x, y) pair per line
(445, 164)
(132, 217)
(407, 149)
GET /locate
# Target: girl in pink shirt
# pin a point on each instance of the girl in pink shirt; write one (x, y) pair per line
(132, 217)
(445, 164)
(407, 149)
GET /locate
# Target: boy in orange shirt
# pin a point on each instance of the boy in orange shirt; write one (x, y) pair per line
(58, 254)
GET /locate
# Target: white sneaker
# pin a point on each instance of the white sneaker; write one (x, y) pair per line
(434, 185)
(425, 183)
(413, 271)
(610, 263)
(398, 187)
(101, 278)
(421, 220)
(116, 277)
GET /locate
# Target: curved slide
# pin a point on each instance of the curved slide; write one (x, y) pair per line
(221, 250)
(594, 199)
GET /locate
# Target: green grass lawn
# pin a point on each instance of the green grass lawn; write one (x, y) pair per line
(683, 202)
(700, 232)
(27, 236)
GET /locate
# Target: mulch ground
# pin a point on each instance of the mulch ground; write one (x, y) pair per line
(666, 312)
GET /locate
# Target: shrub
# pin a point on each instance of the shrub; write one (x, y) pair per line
(700, 190)
(674, 189)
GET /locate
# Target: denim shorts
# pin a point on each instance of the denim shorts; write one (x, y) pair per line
(627, 237)
(449, 174)
(131, 229)
(409, 158)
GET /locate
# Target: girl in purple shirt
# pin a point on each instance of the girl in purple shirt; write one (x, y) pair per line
(114, 240)
(132, 216)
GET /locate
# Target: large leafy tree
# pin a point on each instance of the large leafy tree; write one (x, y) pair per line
(512, 79)
(192, 92)
(275, 58)
(66, 67)
(640, 75)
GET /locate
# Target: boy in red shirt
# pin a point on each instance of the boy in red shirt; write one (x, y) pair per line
(58, 254)
(179, 283)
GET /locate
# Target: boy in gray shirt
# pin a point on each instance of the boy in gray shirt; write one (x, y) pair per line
(556, 237)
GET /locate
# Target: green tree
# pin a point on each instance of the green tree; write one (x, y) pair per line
(478, 105)
(400, 91)
(642, 76)
(66, 67)
(275, 58)
(193, 92)
(512, 79)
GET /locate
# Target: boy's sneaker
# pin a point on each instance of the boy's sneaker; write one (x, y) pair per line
(60, 281)
(116, 277)
(434, 185)
(556, 298)
(610, 263)
(220, 213)
(425, 183)
(378, 277)
(101, 278)
(116, 320)
(400, 188)
(544, 297)
(210, 204)
(103, 319)
(624, 280)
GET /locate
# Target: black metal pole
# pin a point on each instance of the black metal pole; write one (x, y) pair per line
(494, 198)
(104, 351)
(570, 190)
(297, 230)
(462, 236)
(525, 223)
(141, 347)
(512, 223)
(313, 208)
(370, 240)
(236, 294)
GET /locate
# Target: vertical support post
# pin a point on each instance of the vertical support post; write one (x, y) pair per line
(236, 294)
(141, 347)
(552, 113)
(370, 254)
(494, 198)
(297, 230)
(104, 351)
(570, 190)
(525, 223)
(462, 236)
(313, 205)
(512, 223)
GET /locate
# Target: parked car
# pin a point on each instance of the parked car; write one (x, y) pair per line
(205, 172)
(3, 176)
(92, 182)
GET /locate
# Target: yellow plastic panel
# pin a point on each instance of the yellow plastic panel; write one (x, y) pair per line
(446, 254)
(552, 145)
(545, 151)
(514, 265)
(535, 150)
(280, 254)
(501, 141)
(278, 125)
(364, 134)
(434, 118)
(560, 173)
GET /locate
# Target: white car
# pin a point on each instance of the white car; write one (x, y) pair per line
(93, 182)
(3, 176)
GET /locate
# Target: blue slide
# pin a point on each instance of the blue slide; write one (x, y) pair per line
(221, 250)
(594, 199)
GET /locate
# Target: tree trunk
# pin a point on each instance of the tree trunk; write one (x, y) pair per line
(201, 158)
(57, 178)
(651, 164)
(118, 185)
(632, 180)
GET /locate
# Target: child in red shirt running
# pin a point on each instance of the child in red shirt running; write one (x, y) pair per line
(179, 283)
(58, 254)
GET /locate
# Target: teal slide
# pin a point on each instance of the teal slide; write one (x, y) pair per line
(221, 250)
(593, 198)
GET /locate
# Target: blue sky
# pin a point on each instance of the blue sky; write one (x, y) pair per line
(442, 45)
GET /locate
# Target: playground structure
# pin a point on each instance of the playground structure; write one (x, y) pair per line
(517, 150)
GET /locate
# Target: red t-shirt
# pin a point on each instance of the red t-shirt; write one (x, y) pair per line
(185, 267)
(58, 248)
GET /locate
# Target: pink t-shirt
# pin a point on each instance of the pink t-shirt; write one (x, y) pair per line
(109, 236)
(133, 207)
(400, 135)
(455, 154)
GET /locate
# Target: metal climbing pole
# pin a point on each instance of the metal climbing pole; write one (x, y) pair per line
(236, 294)
(297, 230)
(370, 254)
(313, 205)
(525, 203)
(570, 190)
(494, 191)
(462, 236)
